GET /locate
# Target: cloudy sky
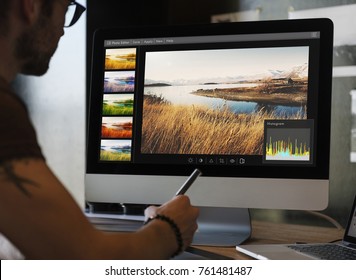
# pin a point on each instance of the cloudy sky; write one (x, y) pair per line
(190, 65)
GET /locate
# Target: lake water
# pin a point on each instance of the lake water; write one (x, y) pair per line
(183, 95)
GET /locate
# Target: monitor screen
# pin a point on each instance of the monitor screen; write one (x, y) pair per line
(249, 104)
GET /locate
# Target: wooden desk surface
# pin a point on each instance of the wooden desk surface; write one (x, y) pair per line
(262, 233)
(274, 233)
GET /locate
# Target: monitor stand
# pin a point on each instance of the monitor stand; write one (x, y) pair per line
(220, 226)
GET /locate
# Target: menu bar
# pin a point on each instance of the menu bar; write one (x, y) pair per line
(211, 39)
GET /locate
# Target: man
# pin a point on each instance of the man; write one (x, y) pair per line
(37, 214)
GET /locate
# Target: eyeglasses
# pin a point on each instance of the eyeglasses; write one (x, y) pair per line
(75, 10)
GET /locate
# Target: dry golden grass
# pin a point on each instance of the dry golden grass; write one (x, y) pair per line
(110, 156)
(112, 64)
(179, 129)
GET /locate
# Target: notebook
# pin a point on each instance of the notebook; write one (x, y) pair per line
(346, 249)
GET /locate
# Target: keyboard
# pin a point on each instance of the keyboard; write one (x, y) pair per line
(326, 251)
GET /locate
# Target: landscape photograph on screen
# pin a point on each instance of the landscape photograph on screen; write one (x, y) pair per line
(119, 81)
(120, 59)
(116, 127)
(118, 104)
(115, 150)
(215, 101)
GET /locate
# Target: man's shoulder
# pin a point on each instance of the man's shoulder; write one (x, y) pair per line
(9, 100)
(19, 138)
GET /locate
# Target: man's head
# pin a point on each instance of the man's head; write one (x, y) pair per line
(39, 26)
(5, 6)
(36, 44)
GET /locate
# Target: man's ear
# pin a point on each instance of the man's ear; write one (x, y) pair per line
(31, 10)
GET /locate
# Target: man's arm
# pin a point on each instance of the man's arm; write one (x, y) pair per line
(40, 217)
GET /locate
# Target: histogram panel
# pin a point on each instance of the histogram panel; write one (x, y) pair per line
(287, 144)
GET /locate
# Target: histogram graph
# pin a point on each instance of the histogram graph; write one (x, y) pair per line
(287, 150)
(288, 141)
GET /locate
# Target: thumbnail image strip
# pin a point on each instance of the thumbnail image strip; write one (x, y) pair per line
(115, 150)
(120, 59)
(116, 127)
(119, 81)
(118, 104)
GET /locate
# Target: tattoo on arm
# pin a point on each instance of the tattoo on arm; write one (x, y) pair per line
(8, 171)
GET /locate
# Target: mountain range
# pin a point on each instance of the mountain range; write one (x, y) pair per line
(299, 71)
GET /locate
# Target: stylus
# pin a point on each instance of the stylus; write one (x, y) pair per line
(196, 173)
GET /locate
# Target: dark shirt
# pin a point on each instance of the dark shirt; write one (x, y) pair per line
(17, 135)
(17, 141)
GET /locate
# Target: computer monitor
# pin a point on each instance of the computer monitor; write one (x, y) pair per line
(247, 103)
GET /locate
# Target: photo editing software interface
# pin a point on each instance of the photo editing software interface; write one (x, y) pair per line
(210, 100)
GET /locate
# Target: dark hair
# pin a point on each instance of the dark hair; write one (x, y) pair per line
(4, 9)
(4, 5)
(47, 9)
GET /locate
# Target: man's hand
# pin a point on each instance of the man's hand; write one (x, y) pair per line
(182, 213)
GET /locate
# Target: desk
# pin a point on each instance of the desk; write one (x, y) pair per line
(262, 233)
(274, 233)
